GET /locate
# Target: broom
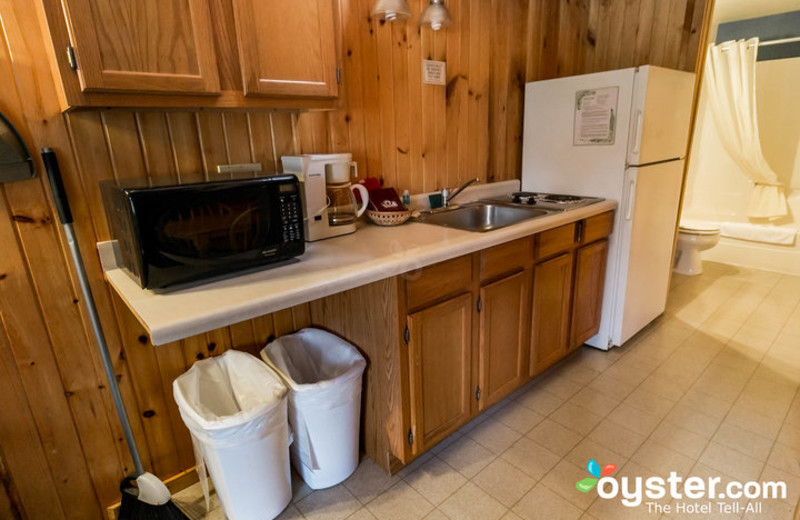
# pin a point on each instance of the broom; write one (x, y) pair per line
(144, 496)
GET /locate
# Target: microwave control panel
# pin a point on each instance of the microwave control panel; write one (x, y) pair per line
(291, 217)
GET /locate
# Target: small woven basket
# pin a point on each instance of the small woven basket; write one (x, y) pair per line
(388, 218)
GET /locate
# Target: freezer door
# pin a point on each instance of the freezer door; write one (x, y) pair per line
(647, 230)
(661, 113)
(551, 161)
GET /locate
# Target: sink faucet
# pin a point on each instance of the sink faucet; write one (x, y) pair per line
(448, 195)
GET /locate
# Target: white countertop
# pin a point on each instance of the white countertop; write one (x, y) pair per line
(327, 267)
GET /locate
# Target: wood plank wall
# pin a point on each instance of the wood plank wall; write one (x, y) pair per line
(568, 37)
(61, 447)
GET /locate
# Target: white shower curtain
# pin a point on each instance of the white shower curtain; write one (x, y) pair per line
(730, 75)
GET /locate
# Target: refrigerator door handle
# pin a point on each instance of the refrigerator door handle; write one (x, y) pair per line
(631, 195)
(637, 131)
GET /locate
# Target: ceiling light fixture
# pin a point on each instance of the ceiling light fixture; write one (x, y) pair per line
(436, 16)
(391, 10)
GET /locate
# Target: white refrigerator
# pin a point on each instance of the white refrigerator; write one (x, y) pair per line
(620, 135)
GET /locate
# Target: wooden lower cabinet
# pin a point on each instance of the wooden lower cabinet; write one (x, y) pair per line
(504, 329)
(590, 275)
(552, 296)
(439, 355)
(448, 341)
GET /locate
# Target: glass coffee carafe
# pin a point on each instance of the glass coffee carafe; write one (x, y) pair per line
(343, 208)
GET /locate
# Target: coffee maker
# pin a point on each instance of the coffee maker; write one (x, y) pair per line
(328, 202)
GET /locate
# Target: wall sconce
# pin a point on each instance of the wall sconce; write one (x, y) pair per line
(436, 16)
(391, 10)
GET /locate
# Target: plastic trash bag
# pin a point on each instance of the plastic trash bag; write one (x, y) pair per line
(236, 410)
(323, 373)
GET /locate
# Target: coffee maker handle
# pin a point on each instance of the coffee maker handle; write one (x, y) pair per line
(354, 170)
(364, 198)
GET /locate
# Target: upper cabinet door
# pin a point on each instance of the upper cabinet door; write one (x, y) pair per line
(143, 45)
(287, 47)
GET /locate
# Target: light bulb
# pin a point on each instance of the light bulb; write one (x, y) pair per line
(391, 10)
(436, 16)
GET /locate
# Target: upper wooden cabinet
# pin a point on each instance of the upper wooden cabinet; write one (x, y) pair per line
(195, 53)
(143, 45)
(285, 47)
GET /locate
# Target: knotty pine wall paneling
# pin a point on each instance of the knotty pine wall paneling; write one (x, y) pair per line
(169, 147)
(424, 137)
(62, 452)
(567, 37)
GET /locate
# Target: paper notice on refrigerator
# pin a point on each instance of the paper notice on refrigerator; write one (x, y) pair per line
(595, 116)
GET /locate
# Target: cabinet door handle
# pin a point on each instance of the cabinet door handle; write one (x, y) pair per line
(578, 232)
(72, 61)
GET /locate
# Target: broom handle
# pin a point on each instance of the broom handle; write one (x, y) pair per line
(65, 216)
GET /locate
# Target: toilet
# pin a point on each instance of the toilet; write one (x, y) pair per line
(694, 236)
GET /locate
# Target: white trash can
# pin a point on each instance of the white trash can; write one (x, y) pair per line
(323, 373)
(236, 410)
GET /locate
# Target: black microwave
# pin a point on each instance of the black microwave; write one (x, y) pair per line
(180, 234)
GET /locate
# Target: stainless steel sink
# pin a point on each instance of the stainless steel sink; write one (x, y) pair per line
(480, 216)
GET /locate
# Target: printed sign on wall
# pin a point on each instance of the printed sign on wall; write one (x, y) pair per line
(434, 72)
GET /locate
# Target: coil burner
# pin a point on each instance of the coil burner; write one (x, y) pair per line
(551, 200)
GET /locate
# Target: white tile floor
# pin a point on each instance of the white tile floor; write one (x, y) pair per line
(710, 389)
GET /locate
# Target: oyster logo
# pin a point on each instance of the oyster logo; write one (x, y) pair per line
(588, 484)
(690, 495)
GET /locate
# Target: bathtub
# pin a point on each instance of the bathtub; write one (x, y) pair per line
(758, 255)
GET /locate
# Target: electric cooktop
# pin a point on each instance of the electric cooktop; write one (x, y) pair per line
(551, 201)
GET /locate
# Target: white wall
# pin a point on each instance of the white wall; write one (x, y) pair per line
(733, 10)
(779, 117)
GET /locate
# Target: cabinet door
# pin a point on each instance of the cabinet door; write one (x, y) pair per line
(590, 275)
(503, 326)
(142, 45)
(439, 359)
(552, 291)
(287, 47)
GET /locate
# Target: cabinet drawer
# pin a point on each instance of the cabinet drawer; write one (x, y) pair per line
(506, 258)
(554, 241)
(597, 227)
(438, 281)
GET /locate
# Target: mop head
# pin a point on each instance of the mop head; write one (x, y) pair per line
(147, 498)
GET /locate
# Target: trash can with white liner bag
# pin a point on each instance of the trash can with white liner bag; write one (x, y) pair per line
(236, 410)
(323, 373)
